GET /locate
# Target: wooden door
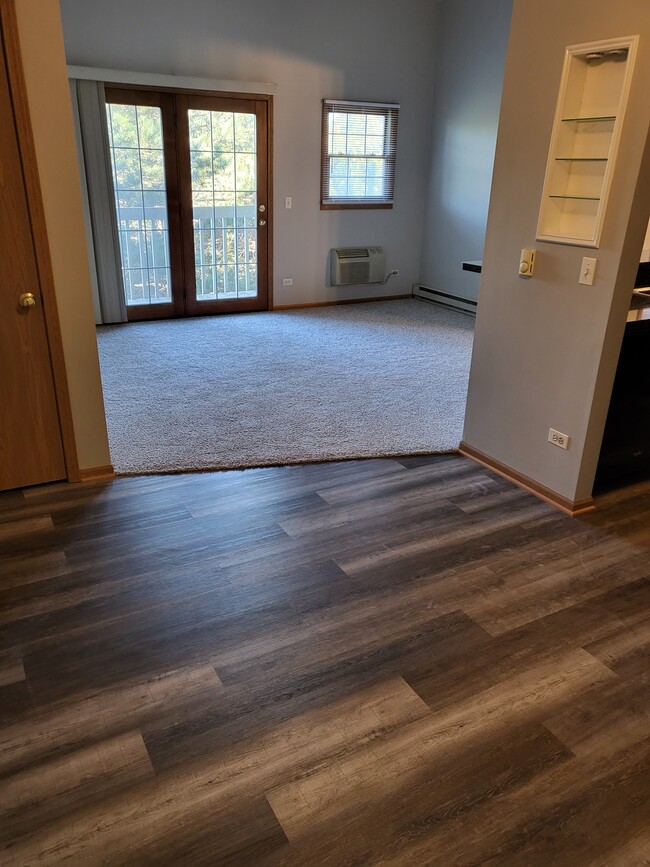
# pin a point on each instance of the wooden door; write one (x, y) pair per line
(191, 174)
(224, 174)
(142, 144)
(31, 447)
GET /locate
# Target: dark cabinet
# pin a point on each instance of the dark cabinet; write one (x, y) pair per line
(625, 452)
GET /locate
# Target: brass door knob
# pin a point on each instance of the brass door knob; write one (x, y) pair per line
(262, 223)
(27, 299)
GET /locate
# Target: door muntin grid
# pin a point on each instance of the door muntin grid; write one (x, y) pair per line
(137, 159)
(223, 162)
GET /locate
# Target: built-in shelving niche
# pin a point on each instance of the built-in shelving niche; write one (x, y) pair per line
(590, 108)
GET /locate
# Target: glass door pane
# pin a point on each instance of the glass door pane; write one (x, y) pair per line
(136, 147)
(224, 185)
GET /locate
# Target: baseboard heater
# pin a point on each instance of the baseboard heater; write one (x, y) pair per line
(466, 305)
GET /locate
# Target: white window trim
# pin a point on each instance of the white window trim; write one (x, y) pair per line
(182, 82)
(342, 202)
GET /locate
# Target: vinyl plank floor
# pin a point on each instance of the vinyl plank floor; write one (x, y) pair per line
(39, 795)
(53, 731)
(427, 801)
(365, 662)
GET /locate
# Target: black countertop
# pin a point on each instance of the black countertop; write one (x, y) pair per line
(639, 309)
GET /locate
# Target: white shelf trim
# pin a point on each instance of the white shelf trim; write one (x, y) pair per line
(588, 236)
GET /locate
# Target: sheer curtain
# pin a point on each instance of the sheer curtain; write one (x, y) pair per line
(89, 110)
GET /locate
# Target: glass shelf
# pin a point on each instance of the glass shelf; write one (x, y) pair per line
(580, 159)
(579, 198)
(588, 119)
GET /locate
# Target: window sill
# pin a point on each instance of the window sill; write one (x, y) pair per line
(347, 206)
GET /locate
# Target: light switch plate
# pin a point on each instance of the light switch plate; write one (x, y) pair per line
(527, 262)
(587, 271)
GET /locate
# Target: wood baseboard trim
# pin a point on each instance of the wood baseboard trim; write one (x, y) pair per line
(345, 301)
(571, 507)
(96, 474)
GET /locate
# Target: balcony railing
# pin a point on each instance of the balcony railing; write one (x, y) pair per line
(225, 253)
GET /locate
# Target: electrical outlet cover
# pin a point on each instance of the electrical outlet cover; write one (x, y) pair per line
(558, 438)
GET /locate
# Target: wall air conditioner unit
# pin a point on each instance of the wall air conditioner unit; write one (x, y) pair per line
(357, 265)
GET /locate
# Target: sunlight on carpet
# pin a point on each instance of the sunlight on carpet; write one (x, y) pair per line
(360, 380)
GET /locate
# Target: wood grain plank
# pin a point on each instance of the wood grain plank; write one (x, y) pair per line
(11, 671)
(511, 654)
(9, 529)
(433, 478)
(566, 582)
(376, 770)
(99, 715)
(34, 797)
(632, 852)
(304, 677)
(21, 570)
(355, 623)
(421, 549)
(179, 629)
(113, 605)
(568, 814)
(627, 652)
(271, 487)
(15, 702)
(118, 828)
(458, 784)
(608, 720)
(235, 832)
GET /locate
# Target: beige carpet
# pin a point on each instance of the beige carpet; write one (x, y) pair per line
(359, 380)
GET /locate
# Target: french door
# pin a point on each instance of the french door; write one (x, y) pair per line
(191, 181)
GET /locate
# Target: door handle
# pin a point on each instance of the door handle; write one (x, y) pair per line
(262, 223)
(27, 299)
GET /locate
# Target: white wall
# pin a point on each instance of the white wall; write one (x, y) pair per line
(366, 49)
(546, 349)
(470, 57)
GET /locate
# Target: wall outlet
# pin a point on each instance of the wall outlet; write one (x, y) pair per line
(288, 281)
(558, 439)
(395, 273)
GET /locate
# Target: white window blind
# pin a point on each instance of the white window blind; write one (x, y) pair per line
(359, 148)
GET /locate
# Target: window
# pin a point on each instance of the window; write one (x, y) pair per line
(359, 144)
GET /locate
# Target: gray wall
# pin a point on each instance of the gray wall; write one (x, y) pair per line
(470, 57)
(366, 49)
(546, 348)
